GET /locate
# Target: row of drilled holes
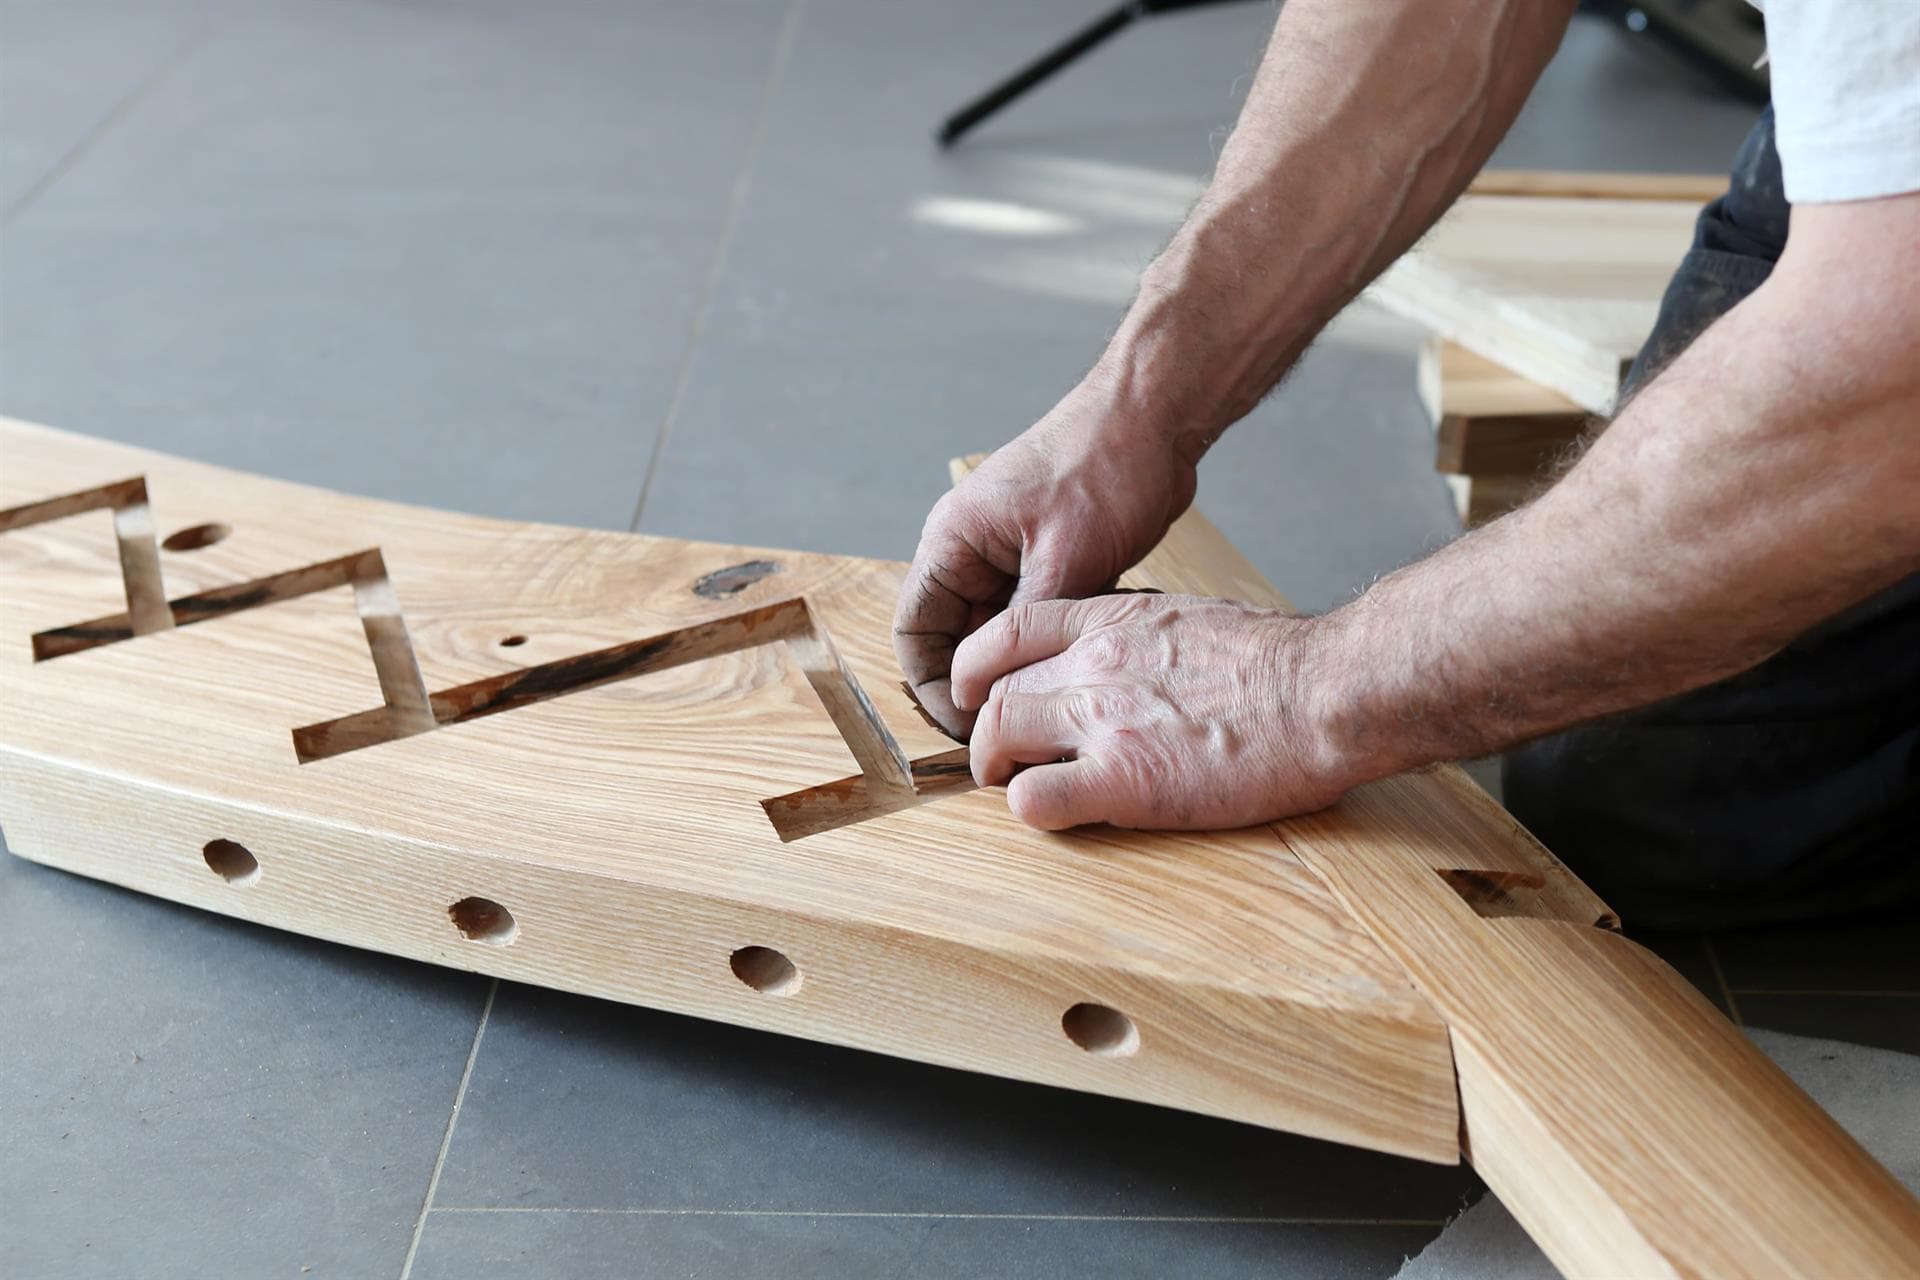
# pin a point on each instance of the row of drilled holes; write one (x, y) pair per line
(1097, 1028)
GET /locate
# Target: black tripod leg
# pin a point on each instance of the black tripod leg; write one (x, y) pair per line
(1094, 33)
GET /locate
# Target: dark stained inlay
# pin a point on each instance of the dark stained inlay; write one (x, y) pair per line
(734, 579)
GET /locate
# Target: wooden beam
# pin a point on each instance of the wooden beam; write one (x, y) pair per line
(1453, 380)
(1594, 185)
(1560, 291)
(1496, 435)
(1519, 447)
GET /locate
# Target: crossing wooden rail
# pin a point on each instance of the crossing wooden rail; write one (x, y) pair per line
(686, 776)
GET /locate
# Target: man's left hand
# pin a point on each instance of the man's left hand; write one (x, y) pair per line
(1169, 712)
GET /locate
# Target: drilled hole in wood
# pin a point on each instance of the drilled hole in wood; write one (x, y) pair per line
(1102, 1030)
(198, 536)
(231, 861)
(512, 642)
(483, 920)
(766, 971)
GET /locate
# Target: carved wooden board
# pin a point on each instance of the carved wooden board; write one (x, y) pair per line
(685, 776)
(653, 756)
(1560, 291)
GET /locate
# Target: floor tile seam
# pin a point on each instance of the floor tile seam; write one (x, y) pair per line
(446, 1137)
(115, 115)
(1720, 976)
(723, 243)
(638, 1211)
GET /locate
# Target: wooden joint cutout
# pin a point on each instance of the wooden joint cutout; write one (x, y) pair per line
(887, 782)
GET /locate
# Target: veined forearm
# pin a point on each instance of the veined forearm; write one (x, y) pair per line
(1764, 483)
(1365, 120)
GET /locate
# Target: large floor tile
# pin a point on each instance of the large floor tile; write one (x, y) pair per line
(187, 1096)
(68, 68)
(1609, 100)
(630, 1247)
(1613, 101)
(885, 305)
(441, 253)
(841, 449)
(898, 304)
(577, 1103)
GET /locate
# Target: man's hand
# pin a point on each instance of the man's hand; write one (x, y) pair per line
(1171, 712)
(1365, 119)
(1062, 511)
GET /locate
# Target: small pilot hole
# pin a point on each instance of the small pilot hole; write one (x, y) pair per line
(1098, 1029)
(512, 642)
(483, 920)
(197, 537)
(231, 861)
(766, 971)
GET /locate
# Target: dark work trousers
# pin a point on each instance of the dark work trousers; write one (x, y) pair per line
(1789, 792)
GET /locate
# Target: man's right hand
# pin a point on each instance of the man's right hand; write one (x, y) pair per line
(1067, 507)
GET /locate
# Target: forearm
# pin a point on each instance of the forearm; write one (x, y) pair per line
(1366, 119)
(1765, 482)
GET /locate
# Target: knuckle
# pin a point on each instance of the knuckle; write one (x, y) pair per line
(1105, 650)
(1012, 627)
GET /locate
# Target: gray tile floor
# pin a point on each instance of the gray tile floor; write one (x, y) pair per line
(689, 266)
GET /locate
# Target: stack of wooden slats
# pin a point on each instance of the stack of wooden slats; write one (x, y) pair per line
(1539, 289)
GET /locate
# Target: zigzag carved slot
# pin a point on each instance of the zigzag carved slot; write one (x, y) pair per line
(216, 603)
(147, 610)
(527, 685)
(849, 800)
(1495, 894)
(887, 782)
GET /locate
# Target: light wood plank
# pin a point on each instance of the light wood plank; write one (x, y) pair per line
(1496, 435)
(1455, 381)
(637, 760)
(1560, 291)
(1595, 185)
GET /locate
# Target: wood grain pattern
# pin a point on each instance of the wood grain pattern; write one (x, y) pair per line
(1560, 291)
(1524, 447)
(1630, 1128)
(1455, 381)
(646, 769)
(1496, 435)
(1592, 185)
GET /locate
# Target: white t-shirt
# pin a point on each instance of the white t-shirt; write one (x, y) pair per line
(1846, 96)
